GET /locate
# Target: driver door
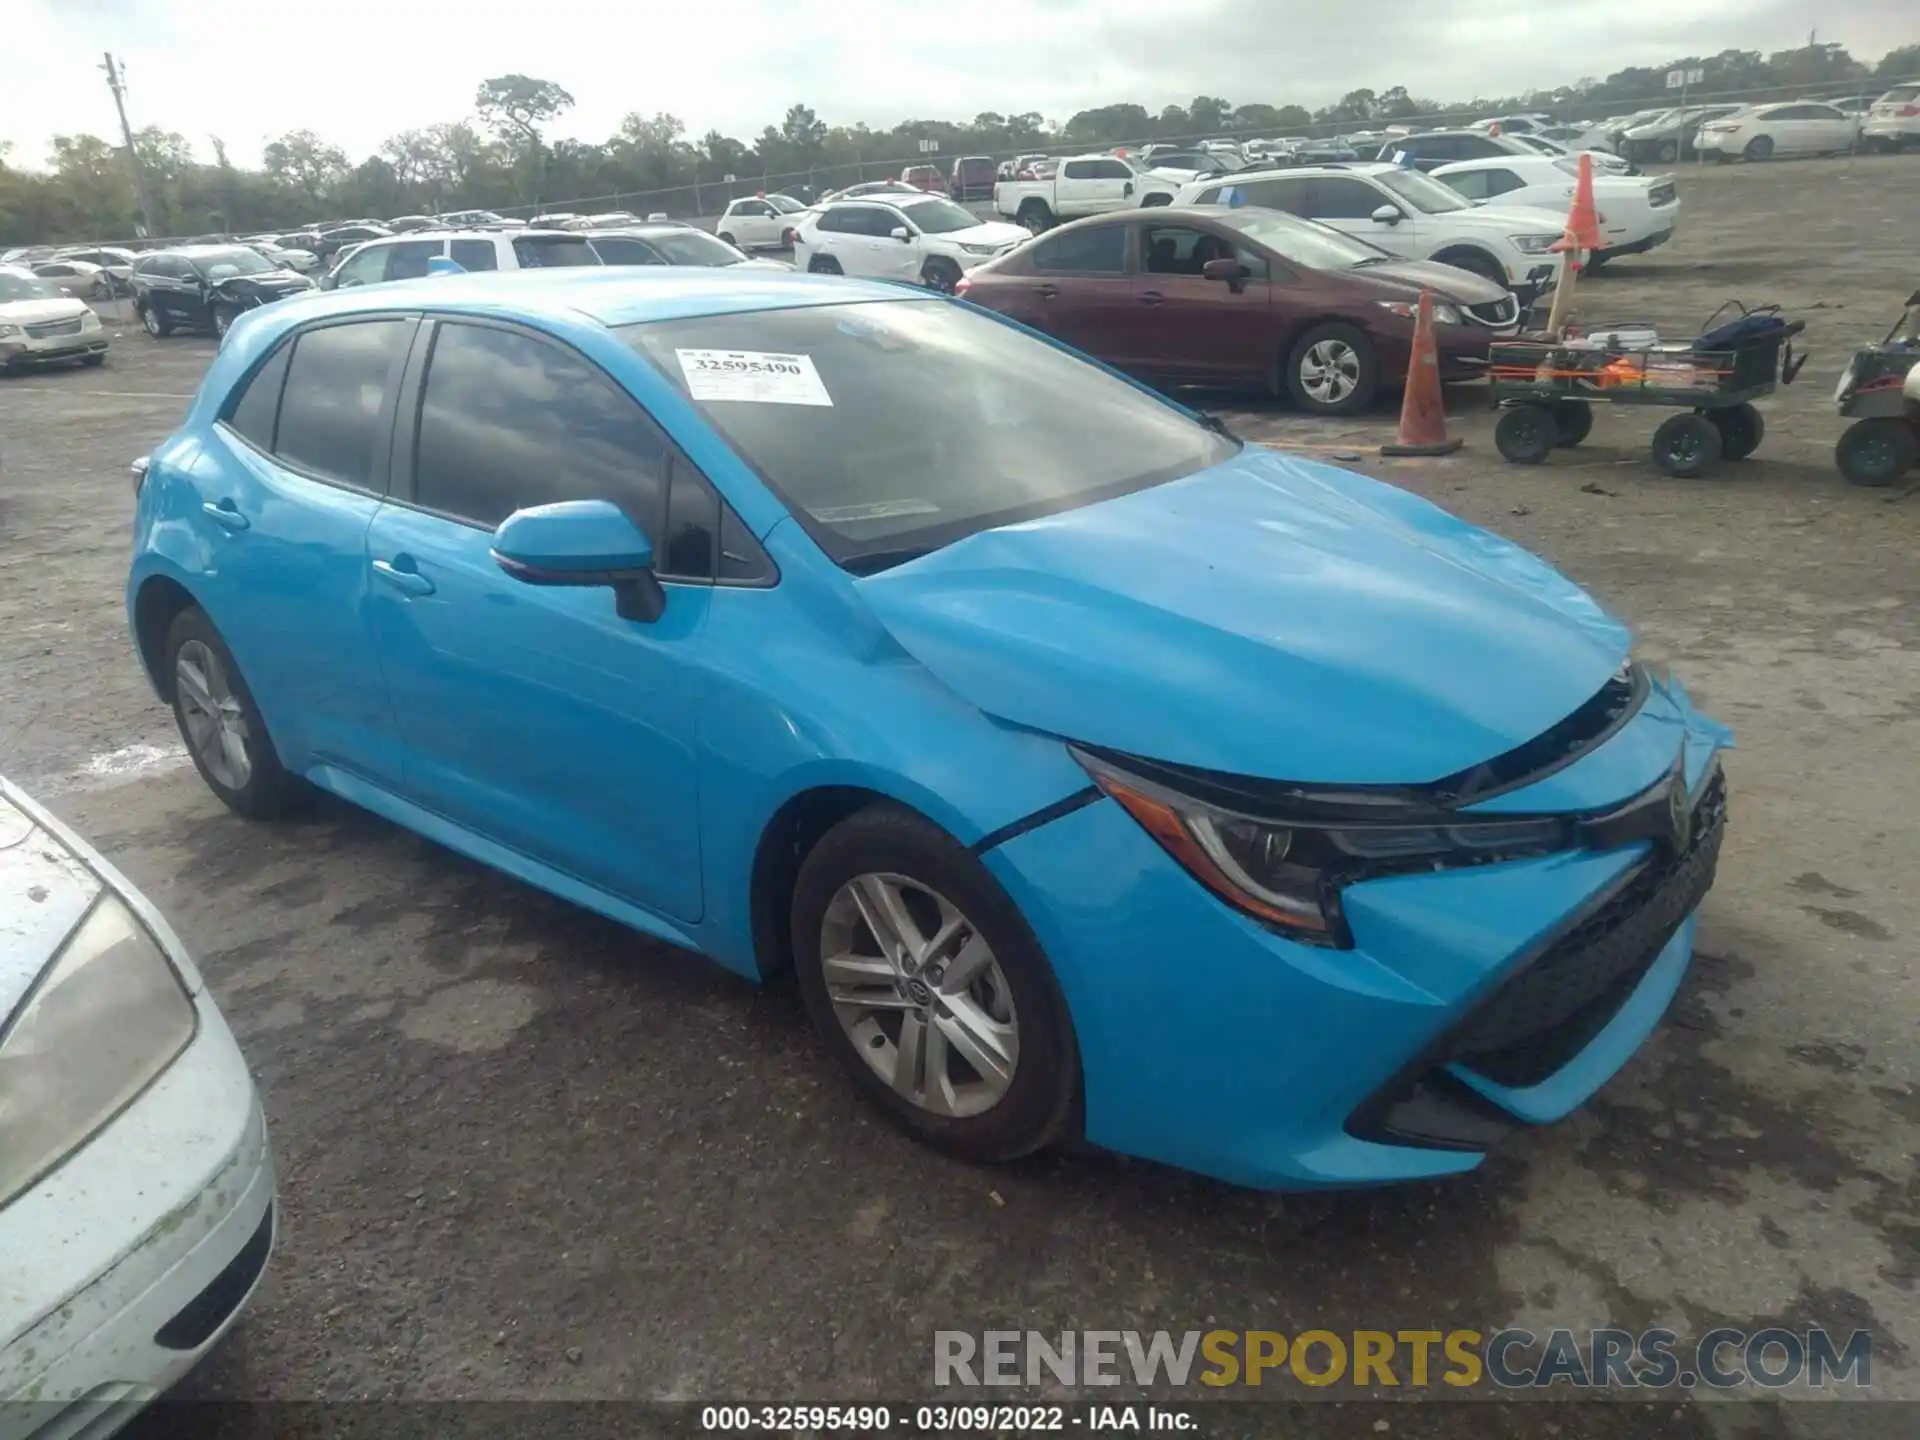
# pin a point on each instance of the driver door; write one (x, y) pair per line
(1184, 326)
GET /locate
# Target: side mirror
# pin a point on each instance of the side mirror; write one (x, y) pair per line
(1228, 271)
(1387, 215)
(588, 543)
(900, 232)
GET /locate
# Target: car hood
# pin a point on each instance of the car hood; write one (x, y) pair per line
(38, 312)
(1505, 219)
(1269, 616)
(989, 232)
(268, 280)
(1449, 282)
(45, 891)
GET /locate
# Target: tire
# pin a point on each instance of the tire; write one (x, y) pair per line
(1876, 452)
(1686, 446)
(728, 237)
(940, 274)
(94, 360)
(1153, 200)
(1741, 430)
(155, 324)
(1758, 148)
(1665, 153)
(223, 319)
(1030, 1105)
(1474, 262)
(824, 265)
(1332, 370)
(1525, 434)
(1572, 422)
(1035, 215)
(260, 788)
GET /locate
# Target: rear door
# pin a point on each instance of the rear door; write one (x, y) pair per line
(1826, 128)
(1187, 327)
(1081, 292)
(1094, 185)
(285, 511)
(863, 242)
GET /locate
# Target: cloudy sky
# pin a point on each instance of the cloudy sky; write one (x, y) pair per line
(359, 70)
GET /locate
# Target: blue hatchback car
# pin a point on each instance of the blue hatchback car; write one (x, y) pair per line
(1102, 776)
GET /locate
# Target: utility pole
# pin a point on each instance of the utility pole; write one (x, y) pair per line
(116, 83)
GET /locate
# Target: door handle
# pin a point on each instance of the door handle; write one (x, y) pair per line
(1151, 297)
(1046, 292)
(226, 513)
(408, 581)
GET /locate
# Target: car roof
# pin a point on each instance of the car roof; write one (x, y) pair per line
(611, 295)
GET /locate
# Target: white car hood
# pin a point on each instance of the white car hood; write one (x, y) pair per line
(989, 232)
(1505, 220)
(37, 312)
(45, 890)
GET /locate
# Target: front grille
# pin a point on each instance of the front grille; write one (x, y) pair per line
(1660, 195)
(54, 327)
(1547, 1013)
(1495, 313)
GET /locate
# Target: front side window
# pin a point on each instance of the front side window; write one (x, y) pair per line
(508, 420)
(364, 267)
(408, 260)
(894, 427)
(331, 413)
(546, 252)
(1303, 242)
(1423, 192)
(473, 254)
(624, 250)
(1096, 250)
(1181, 250)
(694, 247)
(1341, 198)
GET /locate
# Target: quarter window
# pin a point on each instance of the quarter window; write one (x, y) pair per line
(332, 410)
(508, 421)
(251, 416)
(474, 255)
(408, 260)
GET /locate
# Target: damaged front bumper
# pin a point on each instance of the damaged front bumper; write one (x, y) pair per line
(1471, 1000)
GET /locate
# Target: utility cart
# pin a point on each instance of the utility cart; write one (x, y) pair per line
(1880, 392)
(1546, 389)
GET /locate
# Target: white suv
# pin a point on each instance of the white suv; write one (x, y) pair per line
(1893, 121)
(1407, 214)
(760, 222)
(927, 239)
(405, 257)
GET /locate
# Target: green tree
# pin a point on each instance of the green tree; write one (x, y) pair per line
(1208, 112)
(1900, 64)
(304, 162)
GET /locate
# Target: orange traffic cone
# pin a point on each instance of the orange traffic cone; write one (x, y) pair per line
(1581, 237)
(1423, 423)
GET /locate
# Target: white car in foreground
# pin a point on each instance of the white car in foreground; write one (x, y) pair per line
(136, 1185)
(896, 237)
(1637, 212)
(1407, 214)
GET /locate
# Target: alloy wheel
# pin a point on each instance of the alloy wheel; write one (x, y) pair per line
(1330, 371)
(215, 720)
(150, 321)
(919, 992)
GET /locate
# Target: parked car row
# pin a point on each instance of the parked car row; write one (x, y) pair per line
(40, 324)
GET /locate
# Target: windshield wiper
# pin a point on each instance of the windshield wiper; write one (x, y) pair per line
(873, 561)
(1366, 260)
(1214, 423)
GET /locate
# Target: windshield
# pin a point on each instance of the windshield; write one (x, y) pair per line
(892, 428)
(693, 247)
(1421, 191)
(17, 286)
(785, 204)
(546, 252)
(1304, 242)
(939, 217)
(237, 261)
(1543, 145)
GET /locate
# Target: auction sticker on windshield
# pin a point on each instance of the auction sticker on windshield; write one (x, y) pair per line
(758, 376)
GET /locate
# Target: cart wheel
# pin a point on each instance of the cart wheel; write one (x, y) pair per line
(1876, 452)
(1741, 430)
(1526, 434)
(1573, 420)
(1686, 446)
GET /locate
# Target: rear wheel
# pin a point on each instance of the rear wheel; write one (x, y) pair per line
(1666, 151)
(1686, 446)
(223, 319)
(727, 236)
(940, 273)
(1572, 422)
(1526, 434)
(927, 984)
(99, 359)
(1741, 430)
(824, 265)
(1876, 452)
(1035, 215)
(220, 723)
(1332, 370)
(1759, 148)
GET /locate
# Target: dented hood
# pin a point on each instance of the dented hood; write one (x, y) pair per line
(1269, 617)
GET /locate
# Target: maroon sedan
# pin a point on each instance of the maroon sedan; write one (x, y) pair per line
(1207, 295)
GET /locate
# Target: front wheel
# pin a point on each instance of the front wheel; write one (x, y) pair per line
(1475, 262)
(940, 274)
(931, 990)
(1759, 148)
(1686, 446)
(154, 323)
(1332, 370)
(223, 319)
(1876, 452)
(221, 724)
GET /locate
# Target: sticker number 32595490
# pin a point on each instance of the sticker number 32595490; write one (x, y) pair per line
(757, 376)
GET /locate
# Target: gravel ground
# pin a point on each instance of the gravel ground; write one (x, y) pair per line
(528, 1155)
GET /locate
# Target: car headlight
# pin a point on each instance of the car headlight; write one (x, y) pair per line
(1534, 244)
(107, 1016)
(11, 332)
(1443, 313)
(1289, 874)
(979, 249)
(89, 321)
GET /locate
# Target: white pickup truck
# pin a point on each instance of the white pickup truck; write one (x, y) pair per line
(1083, 185)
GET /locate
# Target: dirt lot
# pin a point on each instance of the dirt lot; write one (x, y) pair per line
(525, 1154)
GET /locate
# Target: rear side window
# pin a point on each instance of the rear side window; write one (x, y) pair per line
(508, 421)
(408, 260)
(332, 410)
(545, 252)
(252, 413)
(1901, 94)
(625, 250)
(474, 255)
(1098, 250)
